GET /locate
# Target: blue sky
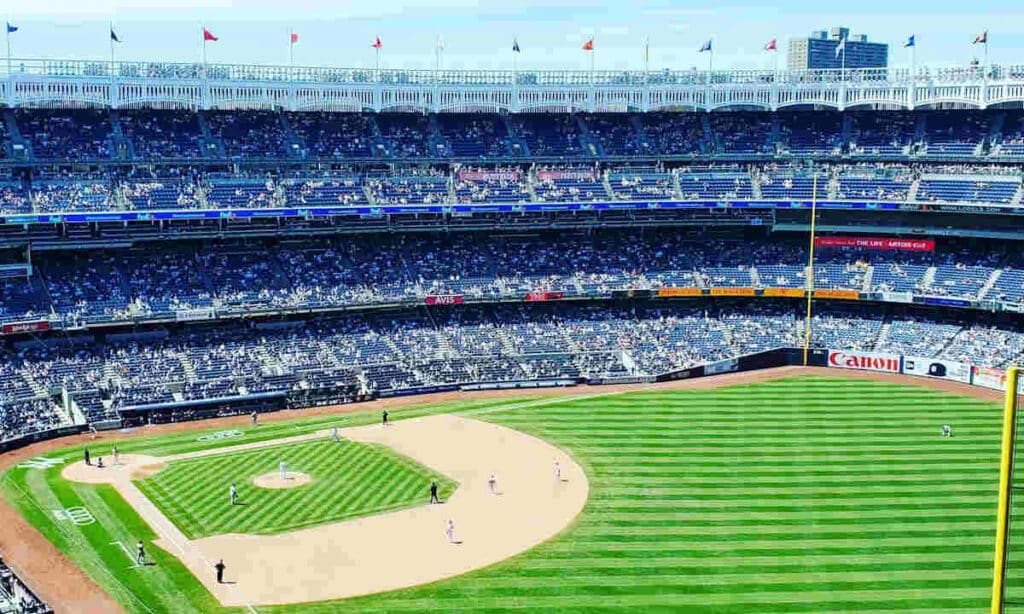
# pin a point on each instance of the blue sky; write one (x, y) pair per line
(479, 33)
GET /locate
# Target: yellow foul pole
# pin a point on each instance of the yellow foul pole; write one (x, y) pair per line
(1005, 477)
(809, 290)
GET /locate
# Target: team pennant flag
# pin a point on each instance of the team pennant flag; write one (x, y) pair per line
(113, 36)
(208, 36)
(11, 28)
(589, 45)
(515, 45)
(377, 44)
(771, 45)
(841, 47)
(982, 38)
(705, 47)
(295, 38)
(911, 41)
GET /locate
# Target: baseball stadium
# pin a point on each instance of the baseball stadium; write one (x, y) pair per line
(402, 337)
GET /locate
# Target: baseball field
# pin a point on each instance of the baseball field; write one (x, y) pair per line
(802, 494)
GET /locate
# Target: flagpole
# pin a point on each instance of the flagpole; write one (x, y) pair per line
(7, 28)
(291, 48)
(202, 35)
(111, 37)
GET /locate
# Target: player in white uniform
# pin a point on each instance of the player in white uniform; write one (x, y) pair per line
(282, 467)
(449, 530)
(334, 435)
(947, 431)
(558, 472)
(234, 494)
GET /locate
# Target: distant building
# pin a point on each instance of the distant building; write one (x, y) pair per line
(819, 51)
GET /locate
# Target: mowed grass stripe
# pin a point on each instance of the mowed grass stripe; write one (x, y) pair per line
(801, 495)
(348, 479)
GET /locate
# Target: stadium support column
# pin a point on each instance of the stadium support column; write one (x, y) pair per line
(1005, 481)
(809, 290)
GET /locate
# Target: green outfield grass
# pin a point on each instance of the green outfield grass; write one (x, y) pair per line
(802, 495)
(349, 479)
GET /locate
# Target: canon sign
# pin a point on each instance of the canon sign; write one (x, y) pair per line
(864, 360)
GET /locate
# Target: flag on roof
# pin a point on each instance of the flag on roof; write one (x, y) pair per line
(772, 45)
(911, 41)
(295, 37)
(377, 44)
(515, 45)
(705, 47)
(208, 36)
(982, 38)
(113, 36)
(841, 47)
(589, 45)
(11, 28)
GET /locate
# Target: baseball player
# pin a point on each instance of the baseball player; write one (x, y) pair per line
(283, 468)
(220, 566)
(449, 530)
(334, 435)
(558, 472)
(492, 483)
(140, 554)
(255, 417)
(433, 492)
(117, 456)
(384, 418)
(947, 431)
(234, 494)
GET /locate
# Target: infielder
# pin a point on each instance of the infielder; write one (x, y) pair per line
(449, 530)
(334, 435)
(492, 483)
(558, 472)
(117, 456)
(283, 468)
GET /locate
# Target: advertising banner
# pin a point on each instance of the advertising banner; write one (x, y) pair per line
(990, 377)
(15, 328)
(445, 299)
(785, 292)
(880, 243)
(868, 361)
(934, 367)
(489, 175)
(580, 175)
(946, 302)
(846, 295)
(722, 366)
(732, 292)
(544, 296)
(897, 297)
(677, 292)
(13, 271)
(189, 315)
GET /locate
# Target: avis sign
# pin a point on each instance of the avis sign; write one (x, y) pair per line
(868, 361)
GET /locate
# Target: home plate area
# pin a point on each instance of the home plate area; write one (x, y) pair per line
(506, 496)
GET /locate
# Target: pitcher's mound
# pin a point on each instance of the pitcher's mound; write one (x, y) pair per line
(292, 479)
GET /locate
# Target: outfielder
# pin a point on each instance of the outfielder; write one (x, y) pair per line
(140, 554)
(234, 494)
(947, 431)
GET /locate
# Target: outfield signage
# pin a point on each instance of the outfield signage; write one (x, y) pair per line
(937, 368)
(898, 297)
(879, 243)
(732, 292)
(722, 366)
(990, 377)
(445, 299)
(14, 328)
(846, 295)
(191, 315)
(679, 292)
(867, 361)
(544, 296)
(784, 292)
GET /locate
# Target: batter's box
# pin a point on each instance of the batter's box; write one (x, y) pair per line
(78, 515)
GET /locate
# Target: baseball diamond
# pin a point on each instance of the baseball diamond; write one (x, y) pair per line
(788, 494)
